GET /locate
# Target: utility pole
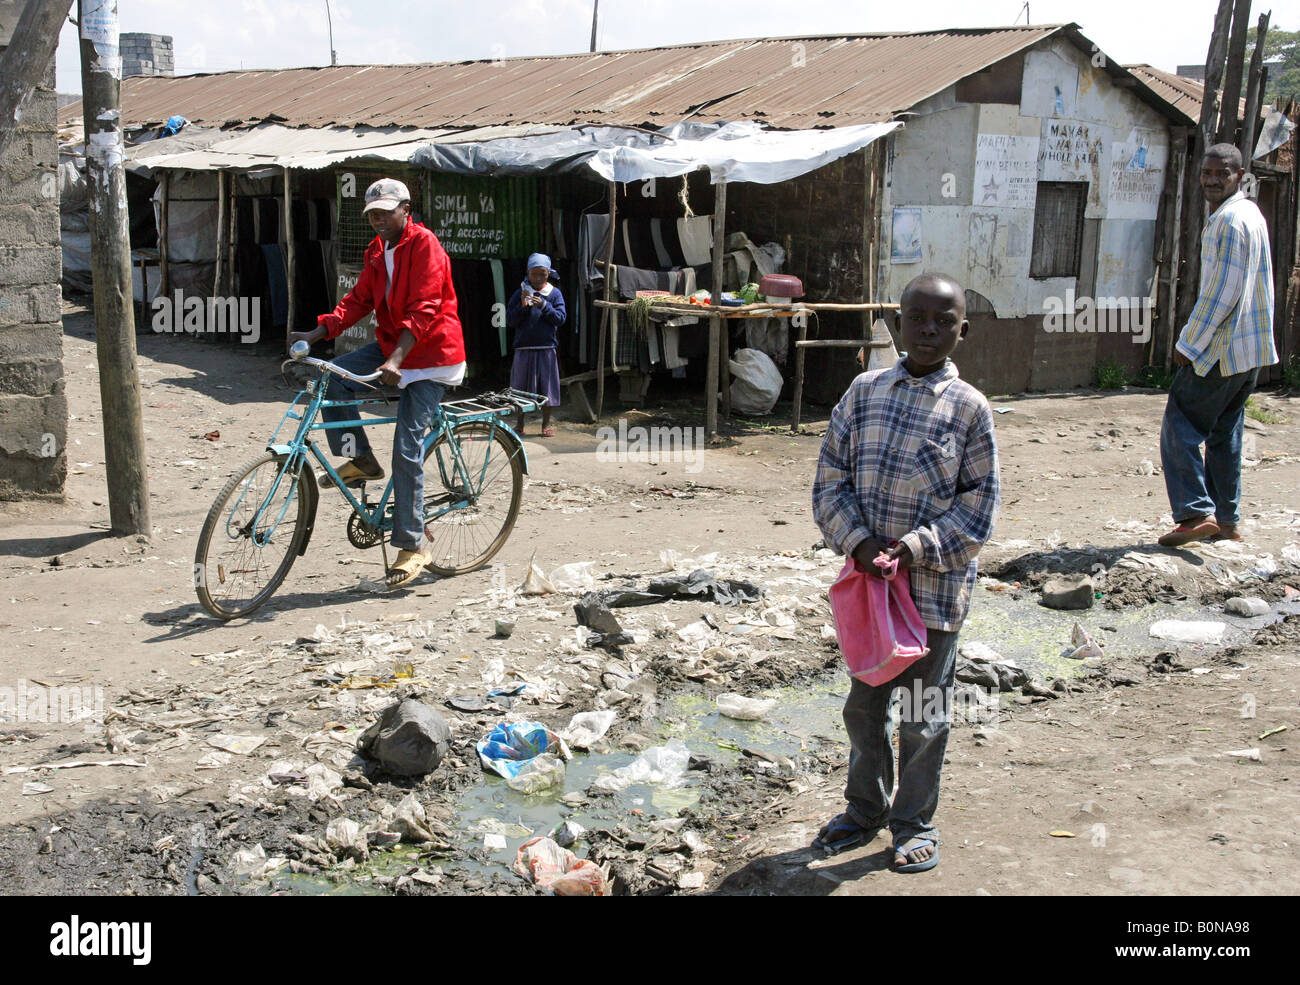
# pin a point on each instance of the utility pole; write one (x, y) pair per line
(1254, 92)
(1193, 199)
(119, 384)
(26, 60)
(595, 14)
(329, 20)
(1232, 74)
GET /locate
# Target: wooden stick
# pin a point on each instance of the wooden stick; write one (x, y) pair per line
(604, 315)
(715, 320)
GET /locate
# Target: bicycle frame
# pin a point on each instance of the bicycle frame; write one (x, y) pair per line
(447, 417)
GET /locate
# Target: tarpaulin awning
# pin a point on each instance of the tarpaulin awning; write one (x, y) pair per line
(740, 151)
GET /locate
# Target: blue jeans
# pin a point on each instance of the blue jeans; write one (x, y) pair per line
(924, 722)
(415, 413)
(1209, 410)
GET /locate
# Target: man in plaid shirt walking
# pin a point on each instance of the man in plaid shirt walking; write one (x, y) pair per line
(909, 467)
(1227, 338)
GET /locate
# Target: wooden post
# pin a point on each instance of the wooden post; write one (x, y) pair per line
(604, 312)
(288, 253)
(1178, 158)
(1193, 200)
(221, 239)
(1232, 74)
(27, 58)
(232, 237)
(119, 384)
(164, 266)
(799, 351)
(1254, 92)
(715, 320)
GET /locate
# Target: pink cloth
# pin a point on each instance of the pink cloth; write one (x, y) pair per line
(879, 629)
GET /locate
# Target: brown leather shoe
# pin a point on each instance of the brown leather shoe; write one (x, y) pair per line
(1188, 531)
(351, 476)
(1227, 531)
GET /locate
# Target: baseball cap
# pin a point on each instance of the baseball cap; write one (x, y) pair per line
(386, 193)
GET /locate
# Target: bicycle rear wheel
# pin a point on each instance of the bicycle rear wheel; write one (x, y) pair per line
(238, 565)
(470, 505)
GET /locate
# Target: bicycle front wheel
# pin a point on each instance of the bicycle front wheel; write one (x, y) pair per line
(251, 537)
(471, 501)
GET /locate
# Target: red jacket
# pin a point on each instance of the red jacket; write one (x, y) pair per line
(423, 300)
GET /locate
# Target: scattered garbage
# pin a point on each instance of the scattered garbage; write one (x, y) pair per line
(587, 728)
(560, 871)
(1069, 592)
(409, 739)
(504, 628)
(659, 765)
(241, 745)
(345, 839)
(1188, 631)
(1082, 645)
(1251, 754)
(568, 833)
(33, 787)
(536, 582)
(1291, 554)
(1246, 607)
(701, 585)
(507, 749)
(980, 664)
(576, 577)
(537, 774)
(742, 708)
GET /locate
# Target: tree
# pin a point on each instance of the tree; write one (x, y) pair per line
(1283, 76)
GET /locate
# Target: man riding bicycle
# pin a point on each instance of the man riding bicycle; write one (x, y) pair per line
(406, 281)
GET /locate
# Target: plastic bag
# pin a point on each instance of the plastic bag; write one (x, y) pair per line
(507, 749)
(757, 383)
(879, 628)
(659, 765)
(745, 709)
(559, 870)
(575, 577)
(538, 774)
(587, 727)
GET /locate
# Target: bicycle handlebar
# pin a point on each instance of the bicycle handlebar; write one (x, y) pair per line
(298, 351)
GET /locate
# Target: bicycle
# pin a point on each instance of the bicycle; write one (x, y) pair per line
(263, 518)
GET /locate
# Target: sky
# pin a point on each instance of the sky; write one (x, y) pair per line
(222, 35)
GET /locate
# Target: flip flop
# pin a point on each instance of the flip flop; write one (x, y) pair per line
(842, 833)
(547, 433)
(406, 569)
(921, 842)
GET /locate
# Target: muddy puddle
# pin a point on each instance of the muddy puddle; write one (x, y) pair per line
(492, 820)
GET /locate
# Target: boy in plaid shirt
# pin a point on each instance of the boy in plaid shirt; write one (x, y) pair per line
(909, 467)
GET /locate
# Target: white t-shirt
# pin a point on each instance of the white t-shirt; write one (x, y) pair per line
(446, 375)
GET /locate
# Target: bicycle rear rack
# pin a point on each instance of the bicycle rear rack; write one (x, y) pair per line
(492, 406)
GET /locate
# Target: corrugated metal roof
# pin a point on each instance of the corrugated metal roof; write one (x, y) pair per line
(1183, 93)
(788, 83)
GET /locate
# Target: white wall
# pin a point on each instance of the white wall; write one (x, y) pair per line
(976, 198)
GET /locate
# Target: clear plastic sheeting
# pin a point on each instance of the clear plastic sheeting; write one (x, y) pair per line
(740, 151)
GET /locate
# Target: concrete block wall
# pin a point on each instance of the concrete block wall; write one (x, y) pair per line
(146, 54)
(33, 408)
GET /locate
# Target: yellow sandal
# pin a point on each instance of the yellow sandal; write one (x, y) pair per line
(406, 568)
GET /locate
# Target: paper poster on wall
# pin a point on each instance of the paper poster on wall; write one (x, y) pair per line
(1006, 170)
(1137, 177)
(907, 235)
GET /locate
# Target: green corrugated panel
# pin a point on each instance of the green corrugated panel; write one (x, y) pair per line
(484, 218)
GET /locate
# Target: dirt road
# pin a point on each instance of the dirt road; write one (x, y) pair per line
(1128, 759)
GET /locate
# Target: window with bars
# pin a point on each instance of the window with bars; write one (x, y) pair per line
(354, 233)
(1058, 229)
